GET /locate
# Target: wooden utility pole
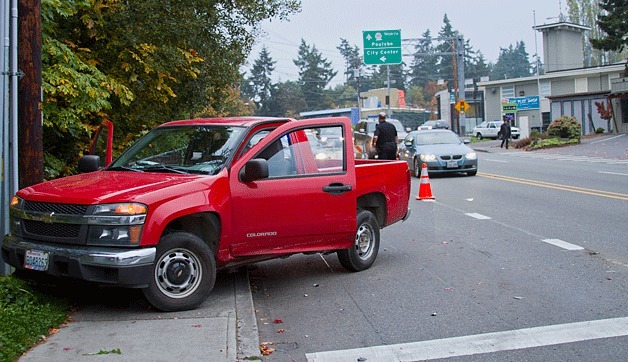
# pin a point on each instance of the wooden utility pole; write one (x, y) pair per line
(30, 127)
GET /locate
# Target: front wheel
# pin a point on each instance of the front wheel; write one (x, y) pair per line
(479, 136)
(417, 168)
(364, 251)
(472, 173)
(183, 275)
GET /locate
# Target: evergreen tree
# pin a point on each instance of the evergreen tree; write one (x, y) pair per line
(286, 100)
(613, 22)
(260, 81)
(513, 62)
(446, 62)
(424, 63)
(315, 72)
(353, 60)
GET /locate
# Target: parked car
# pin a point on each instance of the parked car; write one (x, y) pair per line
(330, 137)
(442, 150)
(196, 196)
(363, 136)
(489, 129)
(437, 124)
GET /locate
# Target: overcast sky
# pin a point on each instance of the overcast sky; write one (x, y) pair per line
(488, 24)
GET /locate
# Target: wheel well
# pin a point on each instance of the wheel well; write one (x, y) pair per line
(376, 204)
(204, 225)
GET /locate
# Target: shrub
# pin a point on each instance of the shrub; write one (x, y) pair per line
(599, 130)
(565, 127)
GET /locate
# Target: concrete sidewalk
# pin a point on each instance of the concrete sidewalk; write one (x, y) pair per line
(223, 328)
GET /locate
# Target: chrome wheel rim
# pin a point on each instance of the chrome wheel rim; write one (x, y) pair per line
(364, 241)
(178, 273)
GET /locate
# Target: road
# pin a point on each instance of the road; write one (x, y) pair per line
(528, 260)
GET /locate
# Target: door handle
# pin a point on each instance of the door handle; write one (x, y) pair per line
(337, 188)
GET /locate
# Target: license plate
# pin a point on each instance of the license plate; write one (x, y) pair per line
(36, 260)
(452, 164)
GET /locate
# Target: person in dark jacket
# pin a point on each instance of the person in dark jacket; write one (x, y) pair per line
(504, 132)
(385, 139)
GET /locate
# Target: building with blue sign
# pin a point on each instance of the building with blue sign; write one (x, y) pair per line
(566, 88)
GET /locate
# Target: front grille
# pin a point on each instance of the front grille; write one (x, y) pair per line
(448, 157)
(47, 207)
(52, 230)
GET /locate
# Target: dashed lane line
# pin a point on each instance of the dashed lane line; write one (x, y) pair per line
(481, 343)
(562, 244)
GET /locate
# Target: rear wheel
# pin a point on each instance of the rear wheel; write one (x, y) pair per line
(479, 136)
(364, 251)
(183, 275)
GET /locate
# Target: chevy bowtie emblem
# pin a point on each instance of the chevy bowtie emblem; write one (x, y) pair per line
(48, 218)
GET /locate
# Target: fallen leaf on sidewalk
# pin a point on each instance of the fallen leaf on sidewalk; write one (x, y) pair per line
(197, 325)
(113, 351)
(281, 330)
(264, 349)
(277, 320)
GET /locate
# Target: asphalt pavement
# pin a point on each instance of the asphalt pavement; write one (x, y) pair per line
(224, 328)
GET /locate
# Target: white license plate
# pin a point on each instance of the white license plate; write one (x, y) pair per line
(36, 260)
(452, 164)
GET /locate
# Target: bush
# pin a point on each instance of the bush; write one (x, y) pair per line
(599, 130)
(565, 127)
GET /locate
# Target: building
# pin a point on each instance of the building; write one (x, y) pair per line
(566, 87)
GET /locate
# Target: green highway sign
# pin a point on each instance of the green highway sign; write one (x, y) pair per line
(382, 46)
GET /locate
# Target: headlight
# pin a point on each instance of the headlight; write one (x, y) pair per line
(17, 202)
(425, 157)
(116, 224)
(471, 156)
(15, 222)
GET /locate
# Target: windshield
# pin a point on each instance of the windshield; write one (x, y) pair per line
(436, 138)
(181, 149)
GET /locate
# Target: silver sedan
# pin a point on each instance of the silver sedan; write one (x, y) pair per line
(442, 150)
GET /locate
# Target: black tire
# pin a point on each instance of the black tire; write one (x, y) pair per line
(364, 252)
(479, 136)
(183, 275)
(417, 168)
(472, 173)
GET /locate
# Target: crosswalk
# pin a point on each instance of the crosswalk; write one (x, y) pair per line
(573, 158)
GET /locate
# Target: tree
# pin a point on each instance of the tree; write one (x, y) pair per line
(315, 72)
(353, 60)
(446, 62)
(261, 82)
(613, 23)
(424, 62)
(587, 12)
(287, 100)
(140, 63)
(513, 62)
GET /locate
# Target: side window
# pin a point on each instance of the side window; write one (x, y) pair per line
(302, 152)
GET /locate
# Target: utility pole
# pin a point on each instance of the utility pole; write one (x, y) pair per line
(30, 125)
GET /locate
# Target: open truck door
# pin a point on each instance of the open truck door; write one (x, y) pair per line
(101, 151)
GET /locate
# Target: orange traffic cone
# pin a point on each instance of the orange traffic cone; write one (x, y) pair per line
(425, 190)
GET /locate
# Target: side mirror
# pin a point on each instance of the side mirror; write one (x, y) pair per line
(361, 130)
(255, 169)
(466, 141)
(89, 163)
(408, 143)
(408, 129)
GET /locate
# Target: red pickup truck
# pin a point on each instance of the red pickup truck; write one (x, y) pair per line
(196, 196)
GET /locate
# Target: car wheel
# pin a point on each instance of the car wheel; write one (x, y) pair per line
(479, 136)
(417, 168)
(472, 173)
(364, 252)
(184, 273)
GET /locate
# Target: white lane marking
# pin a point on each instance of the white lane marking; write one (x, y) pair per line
(614, 173)
(481, 343)
(606, 139)
(494, 160)
(562, 244)
(478, 216)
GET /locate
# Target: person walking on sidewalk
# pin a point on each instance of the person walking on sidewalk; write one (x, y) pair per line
(385, 139)
(504, 133)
